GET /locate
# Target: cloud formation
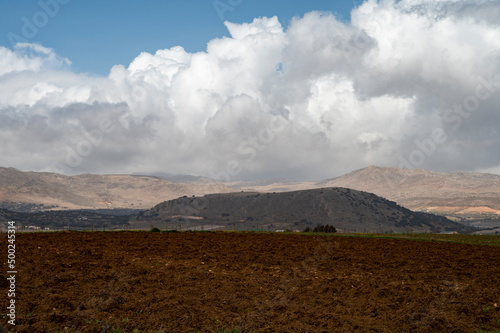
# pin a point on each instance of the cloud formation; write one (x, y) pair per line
(414, 83)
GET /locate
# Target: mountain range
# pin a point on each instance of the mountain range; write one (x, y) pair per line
(459, 194)
(40, 190)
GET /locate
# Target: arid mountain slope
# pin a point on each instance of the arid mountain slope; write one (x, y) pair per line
(180, 178)
(460, 193)
(94, 191)
(346, 209)
(456, 192)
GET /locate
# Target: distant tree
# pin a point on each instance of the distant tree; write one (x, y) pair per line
(325, 228)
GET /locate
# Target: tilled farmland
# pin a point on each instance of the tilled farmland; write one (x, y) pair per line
(250, 282)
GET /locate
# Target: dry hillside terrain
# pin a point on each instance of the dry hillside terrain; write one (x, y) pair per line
(459, 193)
(456, 192)
(94, 191)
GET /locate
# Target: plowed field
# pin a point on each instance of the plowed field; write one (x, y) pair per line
(249, 282)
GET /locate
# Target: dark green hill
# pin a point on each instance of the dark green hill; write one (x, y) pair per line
(346, 209)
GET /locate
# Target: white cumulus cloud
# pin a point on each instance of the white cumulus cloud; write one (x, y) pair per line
(411, 83)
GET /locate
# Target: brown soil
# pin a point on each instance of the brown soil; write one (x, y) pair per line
(181, 282)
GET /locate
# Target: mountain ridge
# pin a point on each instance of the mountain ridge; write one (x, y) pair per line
(459, 194)
(56, 191)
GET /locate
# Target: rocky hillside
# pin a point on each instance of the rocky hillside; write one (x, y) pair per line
(346, 209)
(455, 193)
(460, 194)
(54, 191)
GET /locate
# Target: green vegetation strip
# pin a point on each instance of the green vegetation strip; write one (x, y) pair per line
(492, 240)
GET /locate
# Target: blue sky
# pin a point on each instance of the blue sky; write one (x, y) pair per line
(96, 35)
